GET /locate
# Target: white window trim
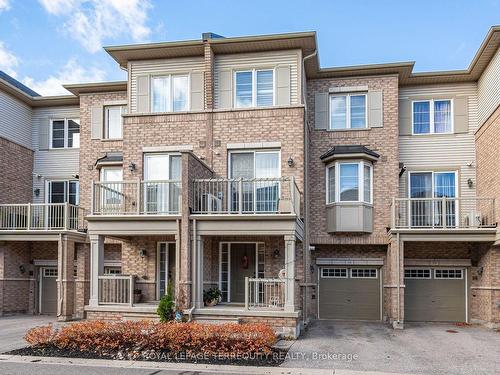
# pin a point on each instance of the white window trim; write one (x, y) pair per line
(361, 191)
(433, 183)
(66, 133)
(323, 276)
(348, 111)
(66, 189)
(254, 86)
(449, 278)
(431, 116)
(418, 268)
(107, 168)
(171, 101)
(363, 277)
(106, 120)
(247, 151)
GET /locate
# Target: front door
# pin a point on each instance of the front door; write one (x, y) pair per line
(242, 265)
(165, 268)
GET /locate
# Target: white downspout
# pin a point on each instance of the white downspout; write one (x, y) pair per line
(399, 278)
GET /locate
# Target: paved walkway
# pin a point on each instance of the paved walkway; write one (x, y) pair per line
(13, 328)
(419, 348)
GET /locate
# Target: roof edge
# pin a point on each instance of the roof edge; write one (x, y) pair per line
(91, 87)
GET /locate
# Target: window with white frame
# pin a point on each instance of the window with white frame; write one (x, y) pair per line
(113, 121)
(348, 111)
(112, 270)
(65, 133)
(432, 116)
(63, 191)
(334, 273)
(448, 273)
(349, 181)
(254, 88)
(363, 273)
(170, 93)
(417, 273)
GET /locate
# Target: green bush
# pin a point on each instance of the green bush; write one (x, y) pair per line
(166, 307)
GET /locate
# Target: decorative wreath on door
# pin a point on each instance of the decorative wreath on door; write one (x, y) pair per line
(244, 262)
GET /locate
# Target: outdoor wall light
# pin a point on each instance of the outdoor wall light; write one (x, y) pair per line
(22, 269)
(470, 182)
(290, 162)
(131, 167)
(276, 254)
(37, 192)
(143, 253)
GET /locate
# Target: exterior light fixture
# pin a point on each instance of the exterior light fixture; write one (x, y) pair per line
(290, 162)
(143, 253)
(131, 167)
(470, 183)
(37, 192)
(276, 254)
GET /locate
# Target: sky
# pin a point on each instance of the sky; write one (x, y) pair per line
(46, 43)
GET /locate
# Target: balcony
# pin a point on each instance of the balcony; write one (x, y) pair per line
(257, 196)
(469, 216)
(136, 198)
(41, 217)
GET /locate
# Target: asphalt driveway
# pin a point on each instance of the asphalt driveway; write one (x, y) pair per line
(13, 328)
(419, 348)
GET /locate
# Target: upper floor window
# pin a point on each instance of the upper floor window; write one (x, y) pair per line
(432, 116)
(113, 121)
(348, 111)
(170, 93)
(65, 133)
(349, 182)
(63, 191)
(254, 88)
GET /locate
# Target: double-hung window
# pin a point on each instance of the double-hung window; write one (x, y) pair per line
(348, 111)
(65, 133)
(349, 181)
(254, 88)
(113, 121)
(432, 116)
(170, 93)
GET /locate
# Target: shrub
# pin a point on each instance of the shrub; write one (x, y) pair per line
(166, 306)
(106, 338)
(212, 294)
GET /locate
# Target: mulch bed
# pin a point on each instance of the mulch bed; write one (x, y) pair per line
(273, 359)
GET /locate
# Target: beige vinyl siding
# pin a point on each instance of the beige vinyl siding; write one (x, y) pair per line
(15, 120)
(442, 151)
(488, 89)
(52, 164)
(158, 67)
(260, 60)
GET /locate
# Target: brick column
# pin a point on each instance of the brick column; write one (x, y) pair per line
(184, 270)
(395, 253)
(82, 284)
(290, 273)
(209, 98)
(96, 266)
(66, 281)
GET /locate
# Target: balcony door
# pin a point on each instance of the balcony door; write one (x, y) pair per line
(260, 172)
(425, 209)
(58, 192)
(165, 263)
(111, 190)
(161, 191)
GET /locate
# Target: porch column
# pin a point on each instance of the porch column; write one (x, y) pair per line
(290, 273)
(395, 281)
(96, 266)
(66, 280)
(197, 268)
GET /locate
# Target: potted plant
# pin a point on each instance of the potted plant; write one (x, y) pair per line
(137, 296)
(212, 296)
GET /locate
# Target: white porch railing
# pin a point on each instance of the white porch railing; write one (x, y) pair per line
(116, 290)
(136, 197)
(264, 294)
(41, 216)
(246, 196)
(445, 213)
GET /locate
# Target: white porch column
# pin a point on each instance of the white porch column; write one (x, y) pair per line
(96, 266)
(290, 273)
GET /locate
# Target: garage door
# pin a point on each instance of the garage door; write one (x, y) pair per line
(349, 293)
(48, 290)
(435, 294)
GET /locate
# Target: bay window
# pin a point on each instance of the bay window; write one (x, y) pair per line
(170, 93)
(349, 181)
(65, 133)
(432, 116)
(254, 88)
(348, 111)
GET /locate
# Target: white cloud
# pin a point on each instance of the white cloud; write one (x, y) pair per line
(90, 22)
(8, 61)
(72, 72)
(4, 5)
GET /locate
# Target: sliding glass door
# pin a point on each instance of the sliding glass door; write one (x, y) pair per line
(161, 195)
(259, 189)
(428, 212)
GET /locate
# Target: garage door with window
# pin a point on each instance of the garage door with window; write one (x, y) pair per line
(351, 293)
(435, 294)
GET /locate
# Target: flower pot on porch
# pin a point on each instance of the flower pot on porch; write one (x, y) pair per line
(137, 296)
(212, 302)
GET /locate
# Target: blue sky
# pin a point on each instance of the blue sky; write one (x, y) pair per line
(44, 43)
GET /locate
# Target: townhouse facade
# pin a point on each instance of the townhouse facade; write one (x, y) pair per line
(299, 192)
